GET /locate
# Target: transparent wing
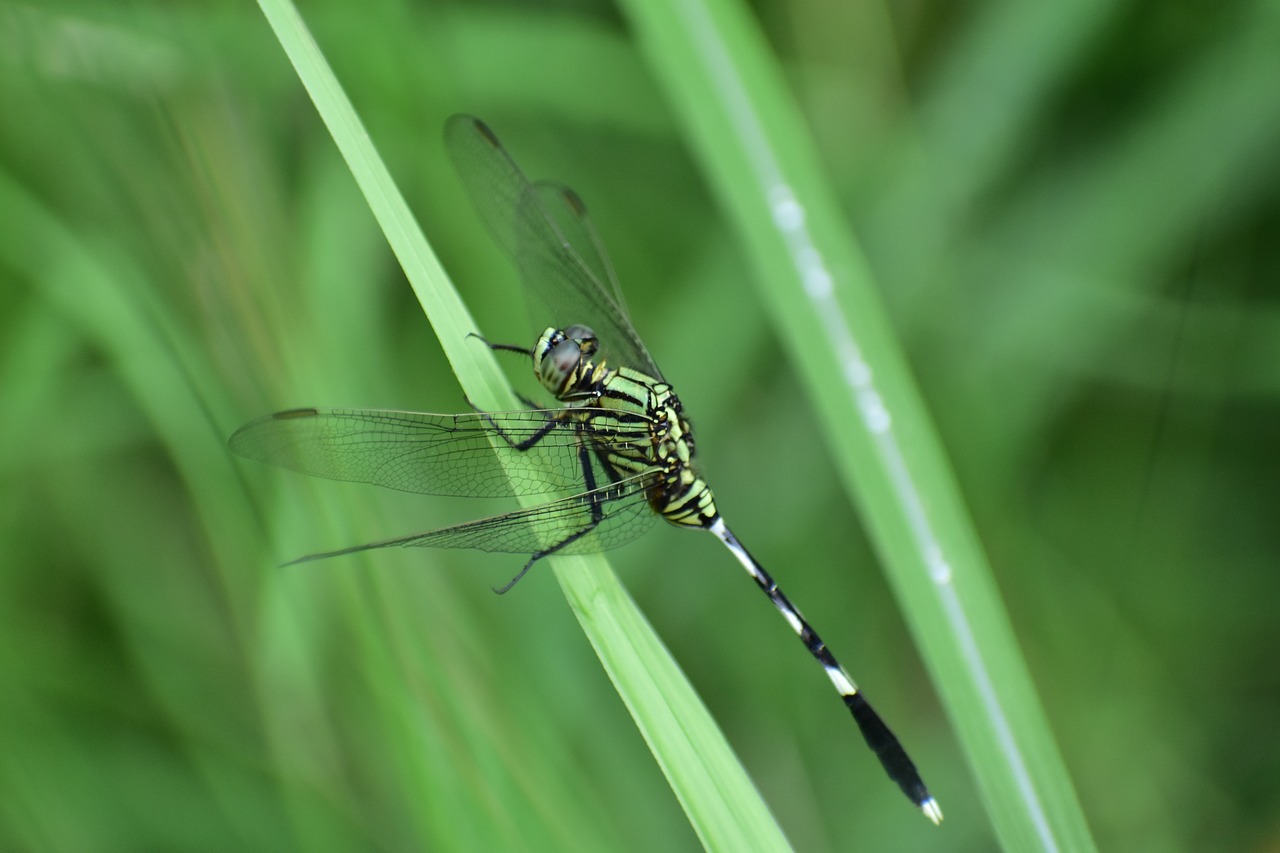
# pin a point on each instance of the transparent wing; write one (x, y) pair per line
(545, 228)
(592, 521)
(429, 453)
(569, 212)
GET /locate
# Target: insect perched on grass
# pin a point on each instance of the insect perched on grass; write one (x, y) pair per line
(617, 454)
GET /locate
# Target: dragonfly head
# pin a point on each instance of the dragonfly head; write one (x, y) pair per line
(558, 355)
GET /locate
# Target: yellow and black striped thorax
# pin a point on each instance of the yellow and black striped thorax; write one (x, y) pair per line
(614, 401)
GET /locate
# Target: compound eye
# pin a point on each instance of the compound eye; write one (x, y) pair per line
(559, 362)
(585, 336)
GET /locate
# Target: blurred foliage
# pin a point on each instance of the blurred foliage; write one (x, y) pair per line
(1075, 218)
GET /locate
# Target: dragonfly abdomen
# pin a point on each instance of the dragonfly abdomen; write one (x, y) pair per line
(685, 501)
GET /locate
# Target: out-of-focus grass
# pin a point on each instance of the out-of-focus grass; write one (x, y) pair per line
(1073, 216)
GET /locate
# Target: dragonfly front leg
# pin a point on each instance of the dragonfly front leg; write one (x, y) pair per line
(525, 351)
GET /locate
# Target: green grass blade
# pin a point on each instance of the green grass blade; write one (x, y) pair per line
(751, 141)
(714, 791)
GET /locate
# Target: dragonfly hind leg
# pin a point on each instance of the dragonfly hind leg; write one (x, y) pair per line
(568, 540)
(596, 505)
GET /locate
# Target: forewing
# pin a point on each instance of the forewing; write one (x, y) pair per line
(571, 298)
(546, 230)
(426, 453)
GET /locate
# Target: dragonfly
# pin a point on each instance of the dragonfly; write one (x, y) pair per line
(615, 454)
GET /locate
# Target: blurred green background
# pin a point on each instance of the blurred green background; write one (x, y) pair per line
(1075, 218)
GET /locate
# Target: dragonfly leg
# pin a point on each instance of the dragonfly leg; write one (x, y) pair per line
(606, 465)
(538, 435)
(506, 587)
(563, 543)
(525, 351)
(527, 401)
(597, 515)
